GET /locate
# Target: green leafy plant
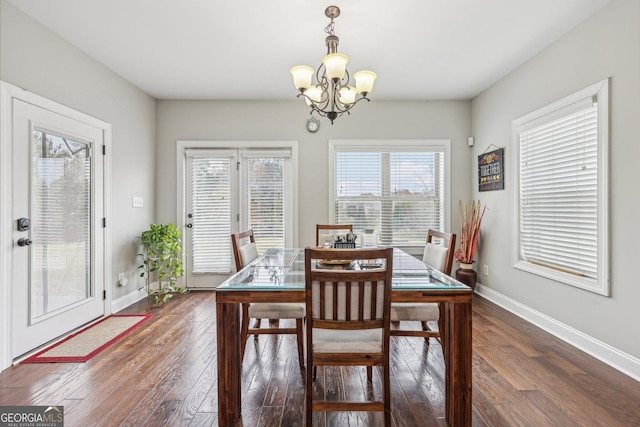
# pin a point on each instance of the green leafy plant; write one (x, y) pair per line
(162, 260)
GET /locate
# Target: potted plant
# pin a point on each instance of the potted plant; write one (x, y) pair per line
(162, 261)
(469, 233)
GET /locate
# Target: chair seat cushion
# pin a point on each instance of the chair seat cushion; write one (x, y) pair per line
(347, 341)
(414, 311)
(285, 310)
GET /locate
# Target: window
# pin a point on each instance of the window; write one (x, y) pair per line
(562, 190)
(398, 189)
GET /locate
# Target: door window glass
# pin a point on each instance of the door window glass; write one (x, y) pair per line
(61, 211)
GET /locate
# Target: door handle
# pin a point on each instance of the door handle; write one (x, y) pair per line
(24, 242)
(189, 225)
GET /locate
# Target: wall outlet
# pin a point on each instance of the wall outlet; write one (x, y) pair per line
(137, 202)
(485, 269)
(122, 280)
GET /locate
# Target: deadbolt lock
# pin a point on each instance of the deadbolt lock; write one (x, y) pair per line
(24, 224)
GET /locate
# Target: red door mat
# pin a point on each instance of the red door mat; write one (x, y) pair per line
(87, 342)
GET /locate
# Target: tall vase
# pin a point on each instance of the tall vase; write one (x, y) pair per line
(467, 275)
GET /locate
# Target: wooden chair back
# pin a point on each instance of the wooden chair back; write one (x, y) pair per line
(348, 301)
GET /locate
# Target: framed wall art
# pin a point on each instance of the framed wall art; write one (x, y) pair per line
(491, 170)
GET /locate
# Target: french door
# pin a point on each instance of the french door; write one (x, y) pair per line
(58, 205)
(228, 190)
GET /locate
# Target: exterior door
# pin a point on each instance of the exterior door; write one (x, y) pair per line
(58, 205)
(212, 188)
(229, 190)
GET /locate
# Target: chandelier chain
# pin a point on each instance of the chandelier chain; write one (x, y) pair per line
(329, 28)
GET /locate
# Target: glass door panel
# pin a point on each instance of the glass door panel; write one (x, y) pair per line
(60, 264)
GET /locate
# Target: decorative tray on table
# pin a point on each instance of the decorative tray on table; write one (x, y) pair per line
(370, 263)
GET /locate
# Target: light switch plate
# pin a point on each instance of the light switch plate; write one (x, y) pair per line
(138, 202)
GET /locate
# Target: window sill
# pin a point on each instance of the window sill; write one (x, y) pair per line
(588, 284)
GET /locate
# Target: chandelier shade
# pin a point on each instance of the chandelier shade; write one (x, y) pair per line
(364, 81)
(331, 95)
(335, 65)
(348, 95)
(302, 76)
(313, 95)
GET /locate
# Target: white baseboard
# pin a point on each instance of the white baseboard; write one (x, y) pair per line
(613, 357)
(125, 301)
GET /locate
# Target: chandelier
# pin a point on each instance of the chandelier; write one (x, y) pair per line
(331, 96)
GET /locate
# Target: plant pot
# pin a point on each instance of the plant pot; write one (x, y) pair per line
(467, 275)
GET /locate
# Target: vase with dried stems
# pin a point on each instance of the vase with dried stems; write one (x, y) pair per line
(470, 220)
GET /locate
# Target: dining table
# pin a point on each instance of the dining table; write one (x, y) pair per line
(278, 276)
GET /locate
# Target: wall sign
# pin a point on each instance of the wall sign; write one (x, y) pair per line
(491, 170)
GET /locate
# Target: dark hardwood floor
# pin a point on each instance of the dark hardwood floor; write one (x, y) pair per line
(164, 374)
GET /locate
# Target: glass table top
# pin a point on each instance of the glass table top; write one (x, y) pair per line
(283, 269)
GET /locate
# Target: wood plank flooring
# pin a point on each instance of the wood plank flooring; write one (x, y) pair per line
(164, 374)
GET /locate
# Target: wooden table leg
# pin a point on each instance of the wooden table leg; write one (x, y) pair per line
(229, 365)
(458, 361)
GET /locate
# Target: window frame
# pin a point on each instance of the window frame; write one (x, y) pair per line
(393, 145)
(600, 284)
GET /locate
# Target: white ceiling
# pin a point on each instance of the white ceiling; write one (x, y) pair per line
(243, 49)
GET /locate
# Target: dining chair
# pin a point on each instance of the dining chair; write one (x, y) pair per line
(348, 322)
(325, 232)
(439, 257)
(245, 251)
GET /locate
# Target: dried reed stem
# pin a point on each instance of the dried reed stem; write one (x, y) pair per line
(470, 230)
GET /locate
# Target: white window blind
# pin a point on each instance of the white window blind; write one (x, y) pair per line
(562, 201)
(211, 210)
(266, 197)
(398, 193)
(61, 194)
(558, 192)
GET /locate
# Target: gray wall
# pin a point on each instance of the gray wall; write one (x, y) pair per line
(606, 45)
(77, 81)
(285, 120)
